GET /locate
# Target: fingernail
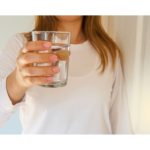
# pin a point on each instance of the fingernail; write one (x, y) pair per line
(47, 44)
(53, 58)
(56, 69)
(49, 78)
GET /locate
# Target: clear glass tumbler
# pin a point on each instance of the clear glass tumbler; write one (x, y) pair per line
(61, 47)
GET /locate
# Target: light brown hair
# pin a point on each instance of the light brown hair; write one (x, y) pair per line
(93, 31)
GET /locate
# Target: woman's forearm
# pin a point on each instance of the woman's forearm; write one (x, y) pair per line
(14, 89)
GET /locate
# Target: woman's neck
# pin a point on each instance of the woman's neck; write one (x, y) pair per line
(75, 27)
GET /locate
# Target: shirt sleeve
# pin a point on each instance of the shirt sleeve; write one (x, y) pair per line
(119, 112)
(8, 57)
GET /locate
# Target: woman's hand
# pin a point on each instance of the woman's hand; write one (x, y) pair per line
(26, 74)
(36, 75)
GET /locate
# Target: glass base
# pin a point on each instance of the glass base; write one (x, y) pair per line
(55, 85)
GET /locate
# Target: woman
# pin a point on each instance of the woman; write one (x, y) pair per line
(91, 102)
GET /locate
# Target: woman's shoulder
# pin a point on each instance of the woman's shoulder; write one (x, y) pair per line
(20, 37)
(17, 39)
(14, 44)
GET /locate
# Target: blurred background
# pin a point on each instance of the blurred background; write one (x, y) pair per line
(132, 34)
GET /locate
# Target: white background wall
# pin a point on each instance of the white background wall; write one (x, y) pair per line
(144, 106)
(132, 34)
(9, 25)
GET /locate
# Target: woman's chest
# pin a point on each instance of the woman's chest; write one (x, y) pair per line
(89, 91)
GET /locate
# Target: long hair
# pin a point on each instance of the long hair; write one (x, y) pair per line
(93, 31)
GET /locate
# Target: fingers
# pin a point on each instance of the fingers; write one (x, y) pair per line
(30, 58)
(38, 80)
(35, 53)
(39, 71)
(36, 46)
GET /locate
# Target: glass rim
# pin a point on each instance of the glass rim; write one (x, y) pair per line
(60, 32)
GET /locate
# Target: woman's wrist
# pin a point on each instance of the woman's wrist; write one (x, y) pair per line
(15, 89)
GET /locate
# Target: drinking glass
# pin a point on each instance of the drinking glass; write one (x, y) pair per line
(61, 47)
